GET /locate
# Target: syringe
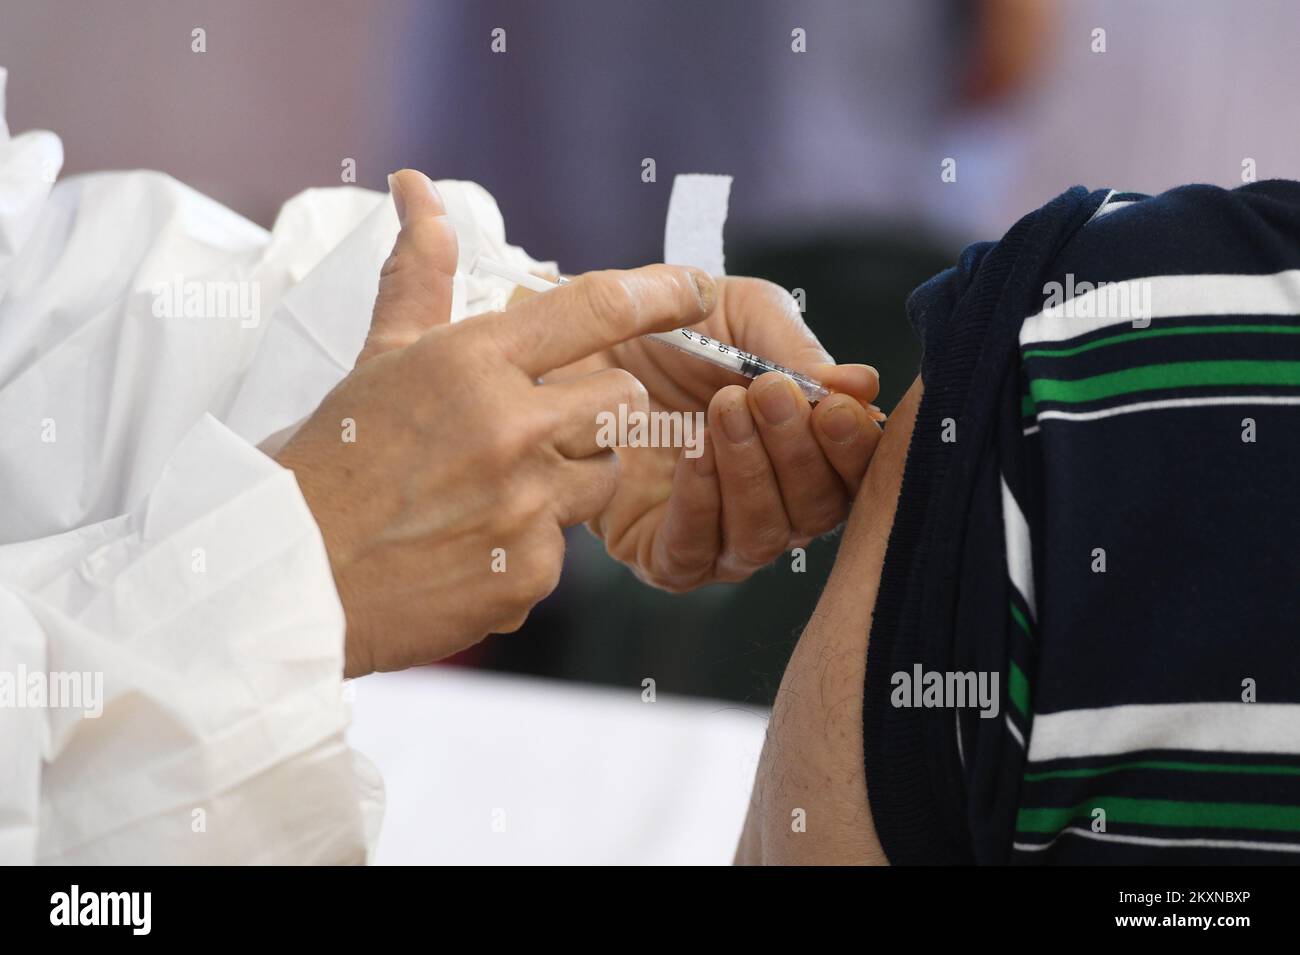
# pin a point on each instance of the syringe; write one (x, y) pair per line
(684, 339)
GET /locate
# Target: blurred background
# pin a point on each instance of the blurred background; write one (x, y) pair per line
(837, 154)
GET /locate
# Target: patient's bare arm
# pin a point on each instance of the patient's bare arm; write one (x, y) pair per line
(812, 759)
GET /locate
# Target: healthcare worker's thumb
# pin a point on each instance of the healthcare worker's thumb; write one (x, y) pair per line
(415, 283)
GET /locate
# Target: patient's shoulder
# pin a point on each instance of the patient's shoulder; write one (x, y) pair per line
(810, 796)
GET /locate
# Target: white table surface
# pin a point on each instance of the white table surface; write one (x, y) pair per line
(483, 768)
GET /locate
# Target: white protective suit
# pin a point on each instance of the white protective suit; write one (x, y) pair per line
(146, 543)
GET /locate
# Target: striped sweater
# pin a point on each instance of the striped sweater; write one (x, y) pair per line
(1102, 506)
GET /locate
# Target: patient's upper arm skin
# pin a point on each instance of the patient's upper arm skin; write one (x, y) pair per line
(812, 759)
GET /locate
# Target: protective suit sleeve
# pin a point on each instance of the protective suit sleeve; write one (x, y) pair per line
(180, 699)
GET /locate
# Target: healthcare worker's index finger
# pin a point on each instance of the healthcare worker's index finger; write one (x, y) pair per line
(598, 310)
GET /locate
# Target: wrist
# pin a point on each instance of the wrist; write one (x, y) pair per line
(357, 655)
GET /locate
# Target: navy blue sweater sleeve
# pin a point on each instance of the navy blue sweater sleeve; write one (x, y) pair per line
(1082, 647)
(933, 305)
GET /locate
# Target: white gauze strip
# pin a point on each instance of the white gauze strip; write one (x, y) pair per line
(697, 211)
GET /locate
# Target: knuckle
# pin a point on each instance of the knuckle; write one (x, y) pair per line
(511, 623)
(397, 263)
(454, 340)
(542, 571)
(500, 452)
(687, 561)
(546, 581)
(609, 298)
(604, 483)
(531, 579)
(683, 581)
(507, 447)
(529, 506)
(776, 293)
(756, 293)
(451, 350)
(802, 457)
(516, 510)
(763, 545)
(751, 470)
(405, 274)
(627, 388)
(822, 517)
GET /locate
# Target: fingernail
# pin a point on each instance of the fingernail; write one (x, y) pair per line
(855, 379)
(876, 413)
(433, 191)
(737, 425)
(706, 290)
(841, 425)
(398, 202)
(705, 466)
(775, 400)
(870, 372)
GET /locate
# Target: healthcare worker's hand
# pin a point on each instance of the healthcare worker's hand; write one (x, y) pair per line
(443, 514)
(775, 471)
